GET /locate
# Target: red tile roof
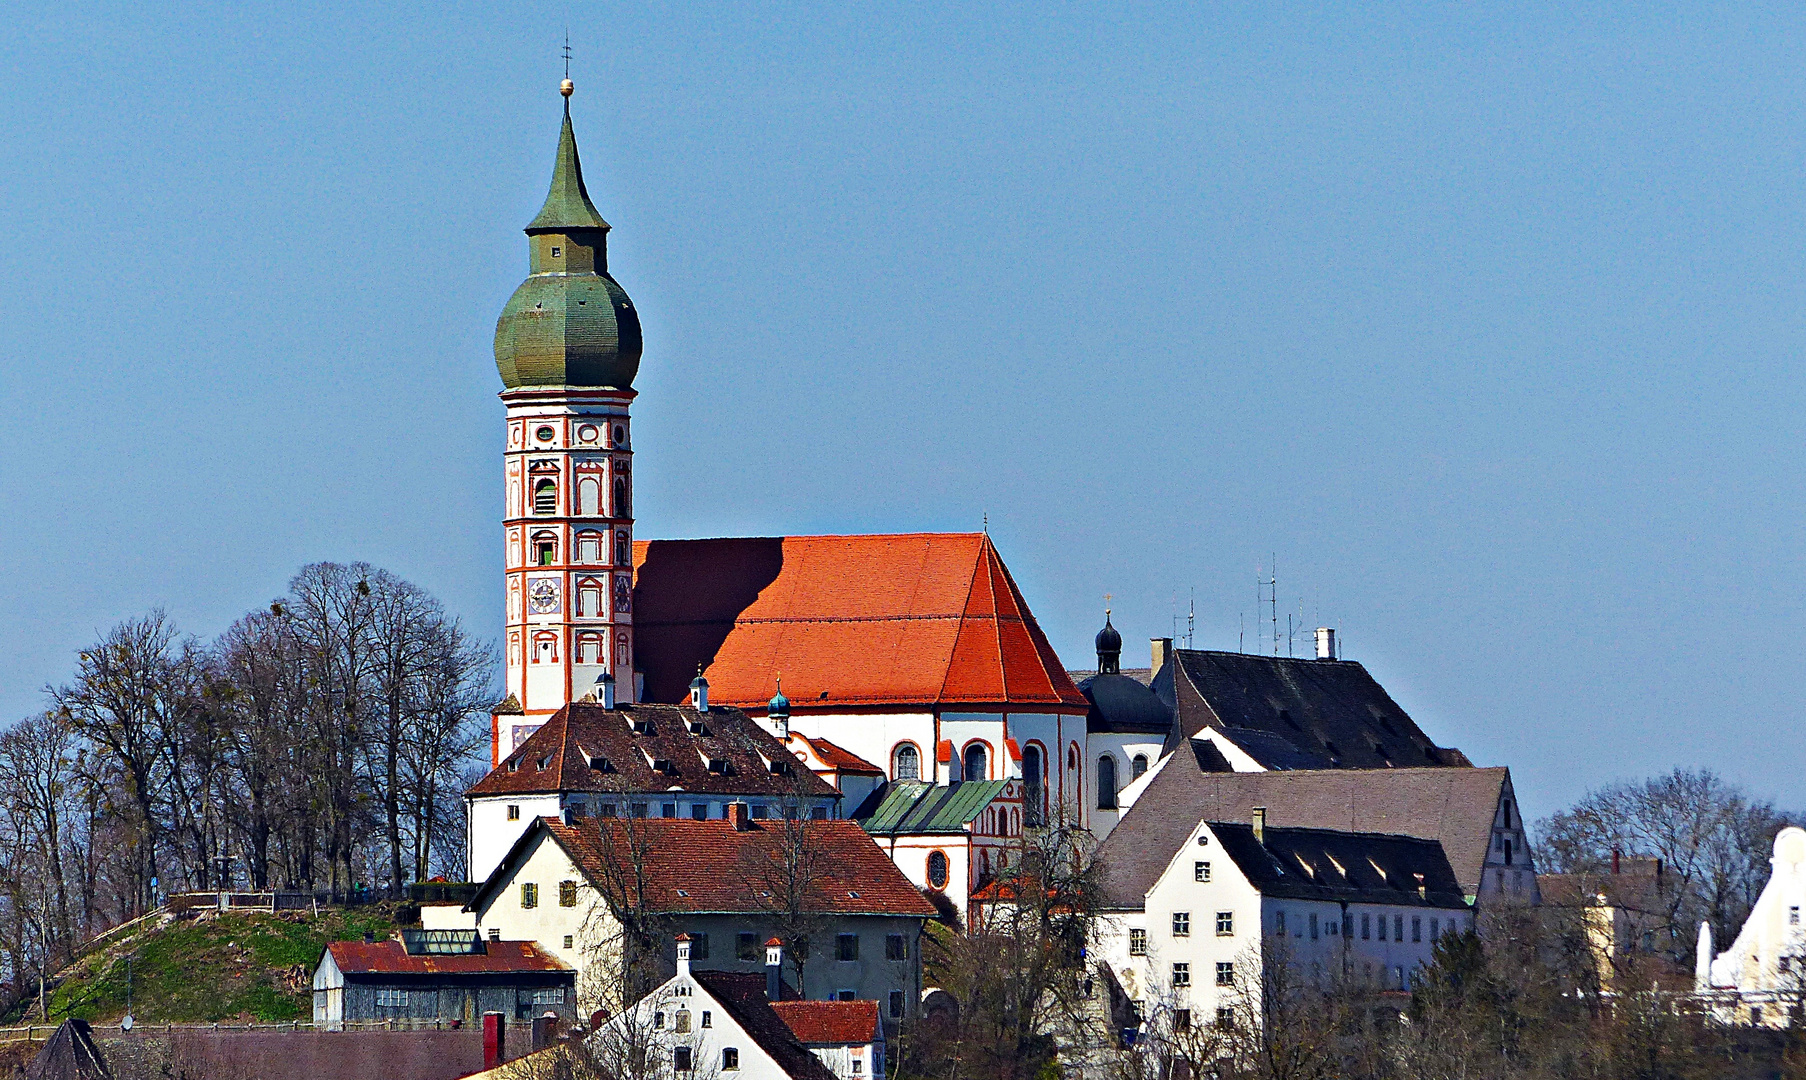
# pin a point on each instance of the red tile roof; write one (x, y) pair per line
(918, 619)
(840, 758)
(844, 1023)
(392, 958)
(710, 866)
(581, 734)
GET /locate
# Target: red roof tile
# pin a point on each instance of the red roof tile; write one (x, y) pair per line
(392, 958)
(710, 866)
(839, 757)
(918, 619)
(845, 1023)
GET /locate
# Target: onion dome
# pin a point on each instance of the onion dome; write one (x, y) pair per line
(1109, 648)
(779, 704)
(569, 323)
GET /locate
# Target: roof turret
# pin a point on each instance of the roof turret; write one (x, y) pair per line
(567, 203)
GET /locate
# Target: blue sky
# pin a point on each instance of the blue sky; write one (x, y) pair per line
(1486, 322)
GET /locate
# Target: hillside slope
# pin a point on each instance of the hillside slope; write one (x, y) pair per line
(240, 966)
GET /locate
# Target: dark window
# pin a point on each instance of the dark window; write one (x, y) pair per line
(846, 946)
(1416, 928)
(746, 947)
(1181, 975)
(975, 762)
(529, 894)
(639, 809)
(1138, 942)
(699, 811)
(1225, 923)
(1200, 870)
(1365, 919)
(937, 869)
(1181, 1019)
(896, 947)
(730, 1057)
(545, 497)
(906, 763)
(1313, 926)
(1032, 788)
(699, 946)
(621, 507)
(1106, 783)
(896, 1004)
(847, 995)
(567, 894)
(495, 933)
(670, 808)
(1181, 924)
(1225, 973)
(1225, 1016)
(1138, 765)
(1279, 923)
(513, 813)
(680, 1058)
(1398, 928)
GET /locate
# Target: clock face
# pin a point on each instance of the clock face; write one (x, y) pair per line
(542, 597)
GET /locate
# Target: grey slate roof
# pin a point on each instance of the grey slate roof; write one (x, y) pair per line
(1120, 703)
(918, 807)
(1305, 864)
(1454, 807)
(1330, 708)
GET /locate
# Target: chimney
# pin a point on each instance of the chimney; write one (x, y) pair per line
(683, 956)
(1260, 824)
(699, 691)
(1614, 860)
(774, 963)
(1326, 643)
(736, 812)
(1160, 650)
(495, 1035)
(605, 689)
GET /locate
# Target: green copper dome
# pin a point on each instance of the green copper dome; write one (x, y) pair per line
(569, 323)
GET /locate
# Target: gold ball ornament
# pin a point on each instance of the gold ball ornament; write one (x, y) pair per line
(567, 88)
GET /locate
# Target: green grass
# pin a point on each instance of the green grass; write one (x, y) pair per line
(234, 967)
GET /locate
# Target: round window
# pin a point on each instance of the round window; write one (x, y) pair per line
(544, 434)
(937, 869)
(587, 433)
(620, 435)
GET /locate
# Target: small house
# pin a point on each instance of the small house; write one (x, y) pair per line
(439, 975)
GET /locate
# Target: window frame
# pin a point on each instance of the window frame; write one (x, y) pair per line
(1138, 941)
(1225, 924)
(1182, 924)
(529, 895)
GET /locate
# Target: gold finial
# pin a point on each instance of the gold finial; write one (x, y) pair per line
(567, 88)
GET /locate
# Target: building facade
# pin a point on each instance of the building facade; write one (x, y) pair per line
(439, 975)
(568, 346)
(1761, 979)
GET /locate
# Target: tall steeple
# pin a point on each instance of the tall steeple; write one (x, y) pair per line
(569, 323)
(567, 346)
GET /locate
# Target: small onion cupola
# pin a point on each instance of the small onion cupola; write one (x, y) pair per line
(569, 323)
(777, 712)
(1109, 648)
(699, 692)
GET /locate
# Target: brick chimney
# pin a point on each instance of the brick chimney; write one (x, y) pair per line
(1160, 650)
(495, 1036)
(738, 814)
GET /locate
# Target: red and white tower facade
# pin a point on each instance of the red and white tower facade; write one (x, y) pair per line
(568, 347)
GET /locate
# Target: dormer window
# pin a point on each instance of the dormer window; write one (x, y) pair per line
(696, 728)
(556, 252)
(543, 763)
(720, 766)
(664, 765)
(643, 727)
(601, 764)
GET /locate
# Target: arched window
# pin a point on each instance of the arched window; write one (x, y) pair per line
(937, 869)
(1034, 785)
(545, 497)
(589, 547)
(975, 762)
(589, 497)
(621, 508)
(1106, 782)
(623, 548)
(906, 763)
(545, 549)
(984, 865)
(1138, 765)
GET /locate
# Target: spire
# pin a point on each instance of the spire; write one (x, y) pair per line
(567, 204)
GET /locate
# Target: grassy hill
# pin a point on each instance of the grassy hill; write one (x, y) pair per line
(215, 967)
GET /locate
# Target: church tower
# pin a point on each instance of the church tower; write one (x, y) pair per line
(568, 347)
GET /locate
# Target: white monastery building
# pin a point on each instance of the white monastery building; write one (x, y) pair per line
(1761, 979)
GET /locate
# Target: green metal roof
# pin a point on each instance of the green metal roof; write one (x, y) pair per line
(916, 806)
(567, 204)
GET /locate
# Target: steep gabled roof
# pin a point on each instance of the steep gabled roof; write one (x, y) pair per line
(1454, 807)
(695, 867)
(919, 620)
(742, 996)
(585, 747)
(1332, 708)
(831, 1023)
